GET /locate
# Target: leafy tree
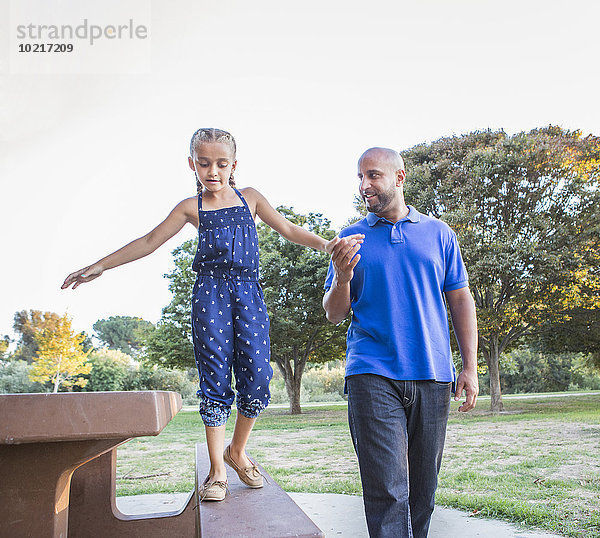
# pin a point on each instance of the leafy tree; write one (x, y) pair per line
(170, 345)
(26, 324)
(526, 209)
(124, 333)
(60, 356)
(4, 343)
(579, 331)
(361, 211)
(292, 277)
(86, 344)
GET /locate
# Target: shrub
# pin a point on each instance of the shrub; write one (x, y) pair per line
(524, 370)
(324, 383)
(277, 388)
(142, 377)
(109, 370)
(14, 378)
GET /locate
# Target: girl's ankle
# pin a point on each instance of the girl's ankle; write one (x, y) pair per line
(217, 476)
(236, 454)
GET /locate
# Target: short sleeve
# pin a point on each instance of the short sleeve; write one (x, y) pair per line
(456, 275)
(329, 279)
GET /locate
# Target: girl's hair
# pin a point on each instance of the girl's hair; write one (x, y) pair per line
(208, 135)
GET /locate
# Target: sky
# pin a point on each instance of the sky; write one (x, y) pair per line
(91, 159)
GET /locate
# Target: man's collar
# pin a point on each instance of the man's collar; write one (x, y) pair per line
(413, 216)
(373, 219)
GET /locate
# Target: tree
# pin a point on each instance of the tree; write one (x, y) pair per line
(123, 333)
(292, 277)
(170, 345)
(526, 209)
(26, 324)
(60, 356)
(578, 332)
(4, 343)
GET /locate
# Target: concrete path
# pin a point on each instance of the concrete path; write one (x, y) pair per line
(343, 516)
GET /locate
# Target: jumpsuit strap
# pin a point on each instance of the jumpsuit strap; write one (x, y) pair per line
(242, 199)
(200, 201)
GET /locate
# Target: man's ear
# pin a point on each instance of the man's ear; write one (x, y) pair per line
(400, 177)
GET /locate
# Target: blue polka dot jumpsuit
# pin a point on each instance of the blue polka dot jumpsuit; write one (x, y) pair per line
(230, 324)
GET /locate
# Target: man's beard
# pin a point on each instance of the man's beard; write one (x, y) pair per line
(383, 200)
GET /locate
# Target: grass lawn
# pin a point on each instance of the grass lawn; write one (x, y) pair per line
(537, 463)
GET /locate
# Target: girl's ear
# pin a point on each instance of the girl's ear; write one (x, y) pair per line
(191, 163)
(233, 165)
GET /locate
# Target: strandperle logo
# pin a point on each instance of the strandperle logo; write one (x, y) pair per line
(84, 31)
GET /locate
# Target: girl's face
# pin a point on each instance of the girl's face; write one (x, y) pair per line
(213, 163)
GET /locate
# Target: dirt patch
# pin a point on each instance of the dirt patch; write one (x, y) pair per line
(579, 471)
(290, 450)
(505, 443)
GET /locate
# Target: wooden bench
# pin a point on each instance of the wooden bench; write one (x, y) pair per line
(58, 473)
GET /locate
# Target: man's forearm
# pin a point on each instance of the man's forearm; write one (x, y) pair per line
(336, 301)
(466, 335)
(464, 321)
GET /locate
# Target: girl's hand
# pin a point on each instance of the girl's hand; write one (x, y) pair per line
(353, 239)
(87, 274)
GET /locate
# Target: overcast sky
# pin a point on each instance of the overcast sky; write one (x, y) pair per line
(89, 162)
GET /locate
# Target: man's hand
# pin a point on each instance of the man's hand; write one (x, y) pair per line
(344, 258)
(467, 381)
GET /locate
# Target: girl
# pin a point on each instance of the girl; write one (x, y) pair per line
(230, 324)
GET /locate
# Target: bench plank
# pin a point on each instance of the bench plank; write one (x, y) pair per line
(267, 512)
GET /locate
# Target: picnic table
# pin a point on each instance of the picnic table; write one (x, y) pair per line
(44, 438)
(58, 456)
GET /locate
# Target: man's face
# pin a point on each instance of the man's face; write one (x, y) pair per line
(378, 181)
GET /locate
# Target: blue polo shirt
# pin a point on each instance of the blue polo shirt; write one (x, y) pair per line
(399, 326)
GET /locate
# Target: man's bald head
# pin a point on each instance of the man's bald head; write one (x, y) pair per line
(385, 156)
(381, 174)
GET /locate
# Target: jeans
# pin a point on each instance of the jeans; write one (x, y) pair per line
(398, 429)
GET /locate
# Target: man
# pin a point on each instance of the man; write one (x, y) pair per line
(399, 369)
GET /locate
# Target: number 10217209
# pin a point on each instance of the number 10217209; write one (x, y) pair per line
(45, 47)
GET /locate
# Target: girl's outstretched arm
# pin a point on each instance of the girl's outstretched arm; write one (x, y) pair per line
(184, 212)
(287, 229)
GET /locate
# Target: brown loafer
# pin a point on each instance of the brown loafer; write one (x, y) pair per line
(248, 475)
(212, 491)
